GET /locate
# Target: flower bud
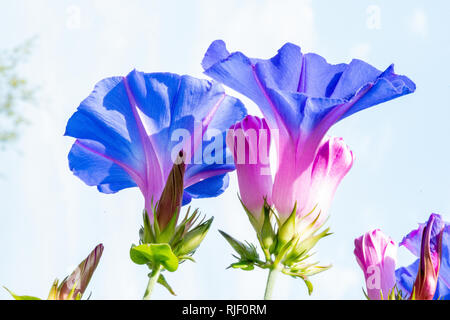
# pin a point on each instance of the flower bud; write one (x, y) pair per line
(430, 258)
(249, 141)
(376, 254)
(171, 198)
(192, 239)
(73, 287)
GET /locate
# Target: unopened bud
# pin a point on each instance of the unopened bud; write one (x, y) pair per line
(171, 198)
(193, 238)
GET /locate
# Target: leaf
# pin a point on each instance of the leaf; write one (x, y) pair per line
(16, 297)
(154, 253)
(162, 281)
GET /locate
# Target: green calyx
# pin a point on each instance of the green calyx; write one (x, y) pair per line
(165, 249)
(287, 245)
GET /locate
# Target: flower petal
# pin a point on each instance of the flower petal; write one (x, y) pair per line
(96, 170)
(100, 126)
(208, 188)
(309, 74)
(406, 276)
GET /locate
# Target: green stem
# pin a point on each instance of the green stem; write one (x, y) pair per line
(152, 281)
(271, 282)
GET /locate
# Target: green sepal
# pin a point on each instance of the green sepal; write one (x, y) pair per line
(154, 254)
(268, 237)
(287, 231)
(187, 222)
(303, 247)
(257, 225)
(166, 235)
(162, 281)
(247, 252)
(306, 270)
(146, 233)
(17, 297)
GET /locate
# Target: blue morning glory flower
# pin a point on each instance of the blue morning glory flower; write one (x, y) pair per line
(301, 96)
(129, 131)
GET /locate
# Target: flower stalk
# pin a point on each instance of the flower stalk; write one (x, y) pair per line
(153, 279)
(273, 274)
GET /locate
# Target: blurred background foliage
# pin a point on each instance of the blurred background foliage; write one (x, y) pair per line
(15, 91)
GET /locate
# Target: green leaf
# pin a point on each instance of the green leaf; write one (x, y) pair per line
(162, 281)
(16, 297)
(154, 253)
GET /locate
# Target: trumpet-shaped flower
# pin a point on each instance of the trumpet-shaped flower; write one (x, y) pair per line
(376, 254)
(130, 130)
(302, 96)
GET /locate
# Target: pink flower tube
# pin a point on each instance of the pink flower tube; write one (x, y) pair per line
(376, 254)
(250, 142)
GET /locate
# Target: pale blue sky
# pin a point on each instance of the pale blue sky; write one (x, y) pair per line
(50, 220)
